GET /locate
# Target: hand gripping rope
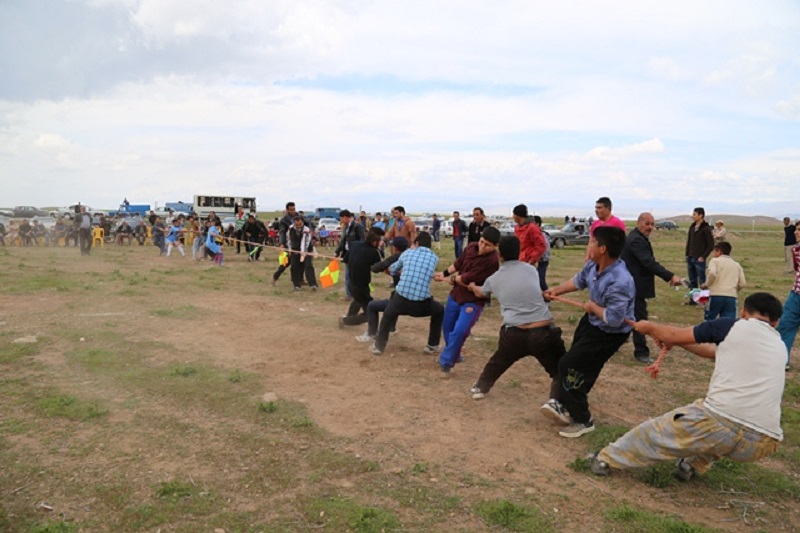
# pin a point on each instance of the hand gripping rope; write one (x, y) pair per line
(652, 369)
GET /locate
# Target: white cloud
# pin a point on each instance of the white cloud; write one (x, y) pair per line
(652, 146)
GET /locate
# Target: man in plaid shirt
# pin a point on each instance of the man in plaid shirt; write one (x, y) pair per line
(413, 294)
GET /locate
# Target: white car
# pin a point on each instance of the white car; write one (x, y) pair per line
(69, 211)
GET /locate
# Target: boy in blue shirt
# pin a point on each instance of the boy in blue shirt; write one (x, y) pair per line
(173, 236)
(602, 330)
(214, 241)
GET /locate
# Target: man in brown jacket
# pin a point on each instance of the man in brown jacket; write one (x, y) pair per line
(403, 226)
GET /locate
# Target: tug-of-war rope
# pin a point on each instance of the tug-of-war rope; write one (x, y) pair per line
(655, 367)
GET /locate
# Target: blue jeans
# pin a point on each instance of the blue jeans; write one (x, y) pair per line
(721, 306)
(697, 272)
(458, 242)
(541, 267)
(456, 326)
(790, 321)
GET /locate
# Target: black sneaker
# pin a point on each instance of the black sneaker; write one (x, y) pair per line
(598, 467)
(683, 470)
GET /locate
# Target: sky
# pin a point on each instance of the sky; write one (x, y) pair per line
(435, 106)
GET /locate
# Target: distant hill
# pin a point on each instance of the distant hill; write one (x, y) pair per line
(731, 220)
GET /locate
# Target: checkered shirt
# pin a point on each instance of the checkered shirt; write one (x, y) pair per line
(416, 267)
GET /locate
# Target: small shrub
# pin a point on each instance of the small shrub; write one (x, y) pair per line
(513, 517)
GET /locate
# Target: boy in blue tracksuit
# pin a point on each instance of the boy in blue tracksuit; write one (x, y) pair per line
(212, 245)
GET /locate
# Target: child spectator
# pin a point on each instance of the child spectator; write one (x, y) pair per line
(724, 280)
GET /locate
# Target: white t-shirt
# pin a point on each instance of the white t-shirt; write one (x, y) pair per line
(749, 375)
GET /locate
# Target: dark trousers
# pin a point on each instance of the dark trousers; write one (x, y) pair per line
(85, 235)
(357, 313)
(640, 341)
(373, 318)
(579, 368)
(402, 306)
(281, 270)
(239, 242)
(545, 344)
(721, 306)
(298, 268)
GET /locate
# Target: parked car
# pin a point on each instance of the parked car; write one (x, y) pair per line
(8, 213)
(507, 229)
(423, 224)
(68, 212)
(446, 229)
(572, 233)
(549, 228)
(333, 226)
(28, 211)
(667, 225)
(46, 221)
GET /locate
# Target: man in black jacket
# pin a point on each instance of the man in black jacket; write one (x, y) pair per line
(283, 226)
(478, 224)
(363, 255)
(699, 245)
(642, 264)
(254, 234)
(352, 232)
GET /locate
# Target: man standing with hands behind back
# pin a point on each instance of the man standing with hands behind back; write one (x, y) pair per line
(699, 245)
(642, 264)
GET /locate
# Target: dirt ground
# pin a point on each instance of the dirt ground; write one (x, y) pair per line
(394, 409)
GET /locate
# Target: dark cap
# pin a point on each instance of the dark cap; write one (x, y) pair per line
(521, 210)
(401, 243)
(491, 234)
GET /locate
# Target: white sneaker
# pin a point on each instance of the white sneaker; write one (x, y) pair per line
(476, 393)
(430, 349)
(375, 350)
(365, 337)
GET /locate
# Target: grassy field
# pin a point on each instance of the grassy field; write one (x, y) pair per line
(128, 382)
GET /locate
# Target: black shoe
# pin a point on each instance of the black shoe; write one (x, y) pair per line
(598, 467)
(643, 358)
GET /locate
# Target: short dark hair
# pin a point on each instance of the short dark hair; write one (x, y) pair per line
(456, 213)
(478, 209)
(373, 236)
(297, 217)
(400, 208)
(509, 248)
(700, 211)
(765, 304)
(537, 219)
(724, 247)
(345, 213)
(289, 204)
(612, 238)
(605, 201)
(423, 239)
(377, 231)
